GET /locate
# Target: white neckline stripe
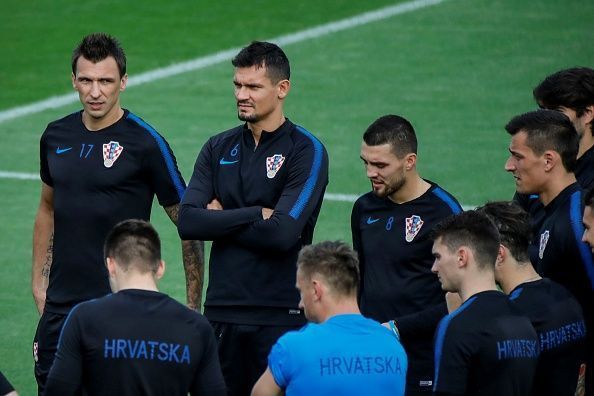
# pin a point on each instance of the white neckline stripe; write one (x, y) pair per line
(327, 196)
(223, 56)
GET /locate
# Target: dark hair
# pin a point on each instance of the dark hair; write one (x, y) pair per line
(393, 130)
(513, 224)
(335, 261)
(264, 54)
(474, 230)
(548, 130)
(97, 47)
(134, 242)
(589, 197)
(572, 88)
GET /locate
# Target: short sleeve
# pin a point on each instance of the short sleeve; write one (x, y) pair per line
(278, 363)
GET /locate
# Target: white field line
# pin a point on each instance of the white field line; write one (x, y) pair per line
(327, 196)
(223, 56)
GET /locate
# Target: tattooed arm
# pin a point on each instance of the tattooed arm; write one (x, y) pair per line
(193, 258)
(43, 246)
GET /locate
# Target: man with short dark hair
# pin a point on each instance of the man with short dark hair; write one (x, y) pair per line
(555, 314)
(543, 151)
(340, 352)
(137, 340)
(390, 229)
(483, 347)
(99, 166)
(256, 192)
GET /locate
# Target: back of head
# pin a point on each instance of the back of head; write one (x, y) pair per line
(393, 130)
(336, 262)
(548, 130)
(134, 244)
(473, 230)
(98, 46)
(513, 224)
(264, 54)
(572, 88)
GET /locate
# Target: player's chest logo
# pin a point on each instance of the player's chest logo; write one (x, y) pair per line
(273, 164)
(544, 238)
(412, 226)
(111, 152)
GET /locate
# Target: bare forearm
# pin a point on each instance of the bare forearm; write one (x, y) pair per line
(193, 258)
(43, 249)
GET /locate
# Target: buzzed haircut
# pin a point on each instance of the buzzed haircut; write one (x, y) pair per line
(265, 54)
(548, 130)
(572, 88)
(513, 224)
(97, 47)
(394, 130)
(335, 261)
(134, 243)
(473, 230)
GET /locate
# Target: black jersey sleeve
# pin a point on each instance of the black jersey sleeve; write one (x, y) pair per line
(44, 172)
(209, 380)
(452, 356)
(301, 197)
(65, 376)
(357, 246)
(422, 324)
(197, 222)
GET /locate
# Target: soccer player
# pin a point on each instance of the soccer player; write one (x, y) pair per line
(543, 151)
(390, 229)
(483, 347)
(256, 192)
(570, 91)
(340, 352)
(99, 166)
(136, 341)
(555, 314)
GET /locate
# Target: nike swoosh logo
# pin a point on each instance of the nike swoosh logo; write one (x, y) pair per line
(223, 161)
(60, 151)
(371, 221)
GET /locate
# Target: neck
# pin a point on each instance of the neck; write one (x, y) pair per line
(145, 281)
(95, 124)
(521, 272)
(269, 124)
(341, 307)
(586, 142)
(412, 189)
(484, 281)
(557, 183)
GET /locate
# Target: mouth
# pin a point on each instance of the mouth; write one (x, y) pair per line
(95, 105)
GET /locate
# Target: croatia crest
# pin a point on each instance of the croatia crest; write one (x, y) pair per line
(412, 227)
(544, 238)
(273, 164)
(111, 152)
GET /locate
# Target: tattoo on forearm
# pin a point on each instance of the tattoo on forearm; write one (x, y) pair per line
(49, 254)
(193, 258)
(173, 211)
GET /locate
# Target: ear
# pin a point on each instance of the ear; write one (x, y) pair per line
(501, 256)
(588, 115)
(73, 81)
(160, 270)
(463, 255)
(111, 266)
(317, 290)
(551, 158)
(283, 87)
(410, 161)
(123, 82)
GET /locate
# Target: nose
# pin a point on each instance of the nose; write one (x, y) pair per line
(371, 171)
(584, 236)
(509, 165)
(95, 91)
(241, 93)
(434, 268)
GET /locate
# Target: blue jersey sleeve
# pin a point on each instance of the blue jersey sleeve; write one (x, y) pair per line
(279, 365)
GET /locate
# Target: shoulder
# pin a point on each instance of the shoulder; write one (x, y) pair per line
(366, 200)
(444, 198)
(66, 122)
(305, 139)
(223, 138)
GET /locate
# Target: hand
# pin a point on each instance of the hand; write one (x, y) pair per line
(214, 205)
(39, 297)
(267, 213)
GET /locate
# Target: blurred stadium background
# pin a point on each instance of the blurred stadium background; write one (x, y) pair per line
(458, 69)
